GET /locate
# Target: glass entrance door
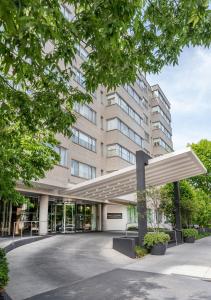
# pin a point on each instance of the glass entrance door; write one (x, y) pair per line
(69, 217)
(86, 217)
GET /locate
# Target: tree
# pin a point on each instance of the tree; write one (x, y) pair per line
(37, 48)
(203, 215)
(203, 151)
(188, 203)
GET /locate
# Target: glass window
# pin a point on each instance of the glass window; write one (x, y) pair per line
(84, 140)
(82, 52)
(117, 150)
(63, 155)
(86, 112)
(82, 170)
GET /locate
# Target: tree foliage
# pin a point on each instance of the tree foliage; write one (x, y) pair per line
(188, 202)
(203, 151)
(194, 203)
(37, 48)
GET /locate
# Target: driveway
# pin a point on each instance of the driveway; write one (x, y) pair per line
(60, 261)
(84, 266)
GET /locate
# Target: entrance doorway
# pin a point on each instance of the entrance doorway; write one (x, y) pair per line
(72, 217)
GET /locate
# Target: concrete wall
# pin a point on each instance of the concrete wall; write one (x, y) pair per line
(114, 224)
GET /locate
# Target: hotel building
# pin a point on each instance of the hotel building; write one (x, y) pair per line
(106, 136)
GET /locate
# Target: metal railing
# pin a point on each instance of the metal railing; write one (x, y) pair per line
(19, 226)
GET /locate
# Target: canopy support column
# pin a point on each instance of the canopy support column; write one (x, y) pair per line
(178, 226)
(141, 161)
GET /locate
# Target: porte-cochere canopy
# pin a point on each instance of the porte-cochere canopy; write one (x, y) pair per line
(167, 168)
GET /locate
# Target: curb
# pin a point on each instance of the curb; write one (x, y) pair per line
(23, 242)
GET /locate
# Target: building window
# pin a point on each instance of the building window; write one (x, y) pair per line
(83, 139)
(140, 101)
(82, 170)
(116, 99)
(157, 109)
(86, 112)
(162, 98)
(132, 216)
(159, 125)
(146, 119)
(82, 52)
(79, 77)
(63, 155)
(141, 84)
(161, 143)
(115, 123)
(117, 150)
(149, 216)
(66, 13)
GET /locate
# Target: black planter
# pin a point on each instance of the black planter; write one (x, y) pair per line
(159, 249)
(190, 239)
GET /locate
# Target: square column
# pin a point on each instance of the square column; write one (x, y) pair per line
(141, 161)
(43, 215)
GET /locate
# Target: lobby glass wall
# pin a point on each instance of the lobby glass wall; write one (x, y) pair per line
(69, 217)
(19, 219)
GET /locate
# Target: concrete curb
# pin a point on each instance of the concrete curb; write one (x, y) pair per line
(22, 242)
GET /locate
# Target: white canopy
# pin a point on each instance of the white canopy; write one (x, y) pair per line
(164, 169)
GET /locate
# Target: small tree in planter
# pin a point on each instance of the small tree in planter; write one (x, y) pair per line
(155, 241)
(4, 270)
(189, 235)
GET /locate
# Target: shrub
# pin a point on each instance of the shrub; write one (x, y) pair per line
(4, 270)
(140, 251)
(154, 238)
(190, 232)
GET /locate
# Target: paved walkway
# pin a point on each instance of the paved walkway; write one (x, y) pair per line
(84, 266)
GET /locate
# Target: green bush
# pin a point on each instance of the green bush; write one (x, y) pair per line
(201, 235)
(4, 270)
(190, 232)
(140, 251)
(154, 238)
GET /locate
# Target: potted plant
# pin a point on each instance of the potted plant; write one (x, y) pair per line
(189, 235)
(4, 278)
(156, 242)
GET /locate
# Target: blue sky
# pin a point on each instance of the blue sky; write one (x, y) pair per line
(188, 87)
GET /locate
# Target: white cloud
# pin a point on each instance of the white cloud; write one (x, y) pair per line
(188, 87)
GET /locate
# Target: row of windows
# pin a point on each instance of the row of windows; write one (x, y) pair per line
(160, 96)
(66, 13)
(86, 112)
(116, 99)
(157, 109)
(115, 123)
(141, 84)
(83, 139)
(141, 101)
(82, 52)
(82, 170)
(160, 142)
(79, 77)
(117, 150)
(159, 125)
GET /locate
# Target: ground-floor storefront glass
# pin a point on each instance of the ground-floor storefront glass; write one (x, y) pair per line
(68, 217)
(15, 219)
